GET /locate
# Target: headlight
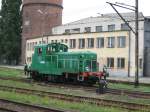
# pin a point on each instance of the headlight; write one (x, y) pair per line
(87, 69)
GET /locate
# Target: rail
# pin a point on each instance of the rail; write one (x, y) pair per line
(80, 99)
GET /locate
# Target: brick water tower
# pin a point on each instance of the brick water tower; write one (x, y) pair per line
(39, 17)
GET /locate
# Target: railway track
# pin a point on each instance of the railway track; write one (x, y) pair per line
(12, 106)
(72, 98)
(6, 110)
(127, 82)
(15, 79)
(135, 94)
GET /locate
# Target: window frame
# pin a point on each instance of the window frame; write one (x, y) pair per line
(100, 42)
(81, 43)
(67, 31)
(87, 29)
(121, 40)
(111, 42)
(62, 41)
(124, 26)
(66, 40)
(75, 30)
(121, 63)
(72, 43)
(99, 27)
(39, 51)
(110, 62)
(141, 63)
(90, 43)
(111, 27)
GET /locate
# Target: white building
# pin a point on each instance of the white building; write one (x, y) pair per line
(115, 33)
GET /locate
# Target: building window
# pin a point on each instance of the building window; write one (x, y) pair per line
(67, 31)
(62, 40)
(33, 46)
(99, 28)
(110, 62)
(43, 42)
(100, 42)
(27, 23)
(27, 15)
(111, 27)
(72, 43)
(87, 29)
(28, 45)
(90, 42)
(121, 42)
(76, 30)
(26, 30)
(81, 43)
(66, 41)
(48, 50)
(121, 63)
(124, 27)
(52, 41)
(111, 42)
(29, 59)
(140, 63)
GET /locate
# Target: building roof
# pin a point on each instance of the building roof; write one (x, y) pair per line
(148, 17)
(106, 17)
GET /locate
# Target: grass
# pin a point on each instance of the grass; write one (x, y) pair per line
(129, 87)
(77, 92)
(8, 72)
(128, 99)
(79, 107)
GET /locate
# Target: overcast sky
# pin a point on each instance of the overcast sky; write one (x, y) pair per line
(78, 9)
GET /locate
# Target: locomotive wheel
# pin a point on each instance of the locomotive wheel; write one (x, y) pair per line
(35, 76)
(52, 78)
(91, 81)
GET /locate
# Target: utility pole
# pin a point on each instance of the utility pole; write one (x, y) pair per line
(136, 32)
(136, 43)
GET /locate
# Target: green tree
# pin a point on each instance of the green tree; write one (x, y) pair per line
(2, 26)
(0, 37)
(11, 31)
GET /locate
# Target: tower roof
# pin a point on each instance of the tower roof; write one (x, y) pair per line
(49, 2)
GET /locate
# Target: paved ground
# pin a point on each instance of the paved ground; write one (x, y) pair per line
(130, 79)
(15, 67)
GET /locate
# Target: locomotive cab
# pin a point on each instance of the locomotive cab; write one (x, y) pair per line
(56, 47)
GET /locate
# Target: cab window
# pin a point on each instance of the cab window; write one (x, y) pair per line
(39, 51)
(49, 49)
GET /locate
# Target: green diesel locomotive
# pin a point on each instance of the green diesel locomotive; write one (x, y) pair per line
(53, 62)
